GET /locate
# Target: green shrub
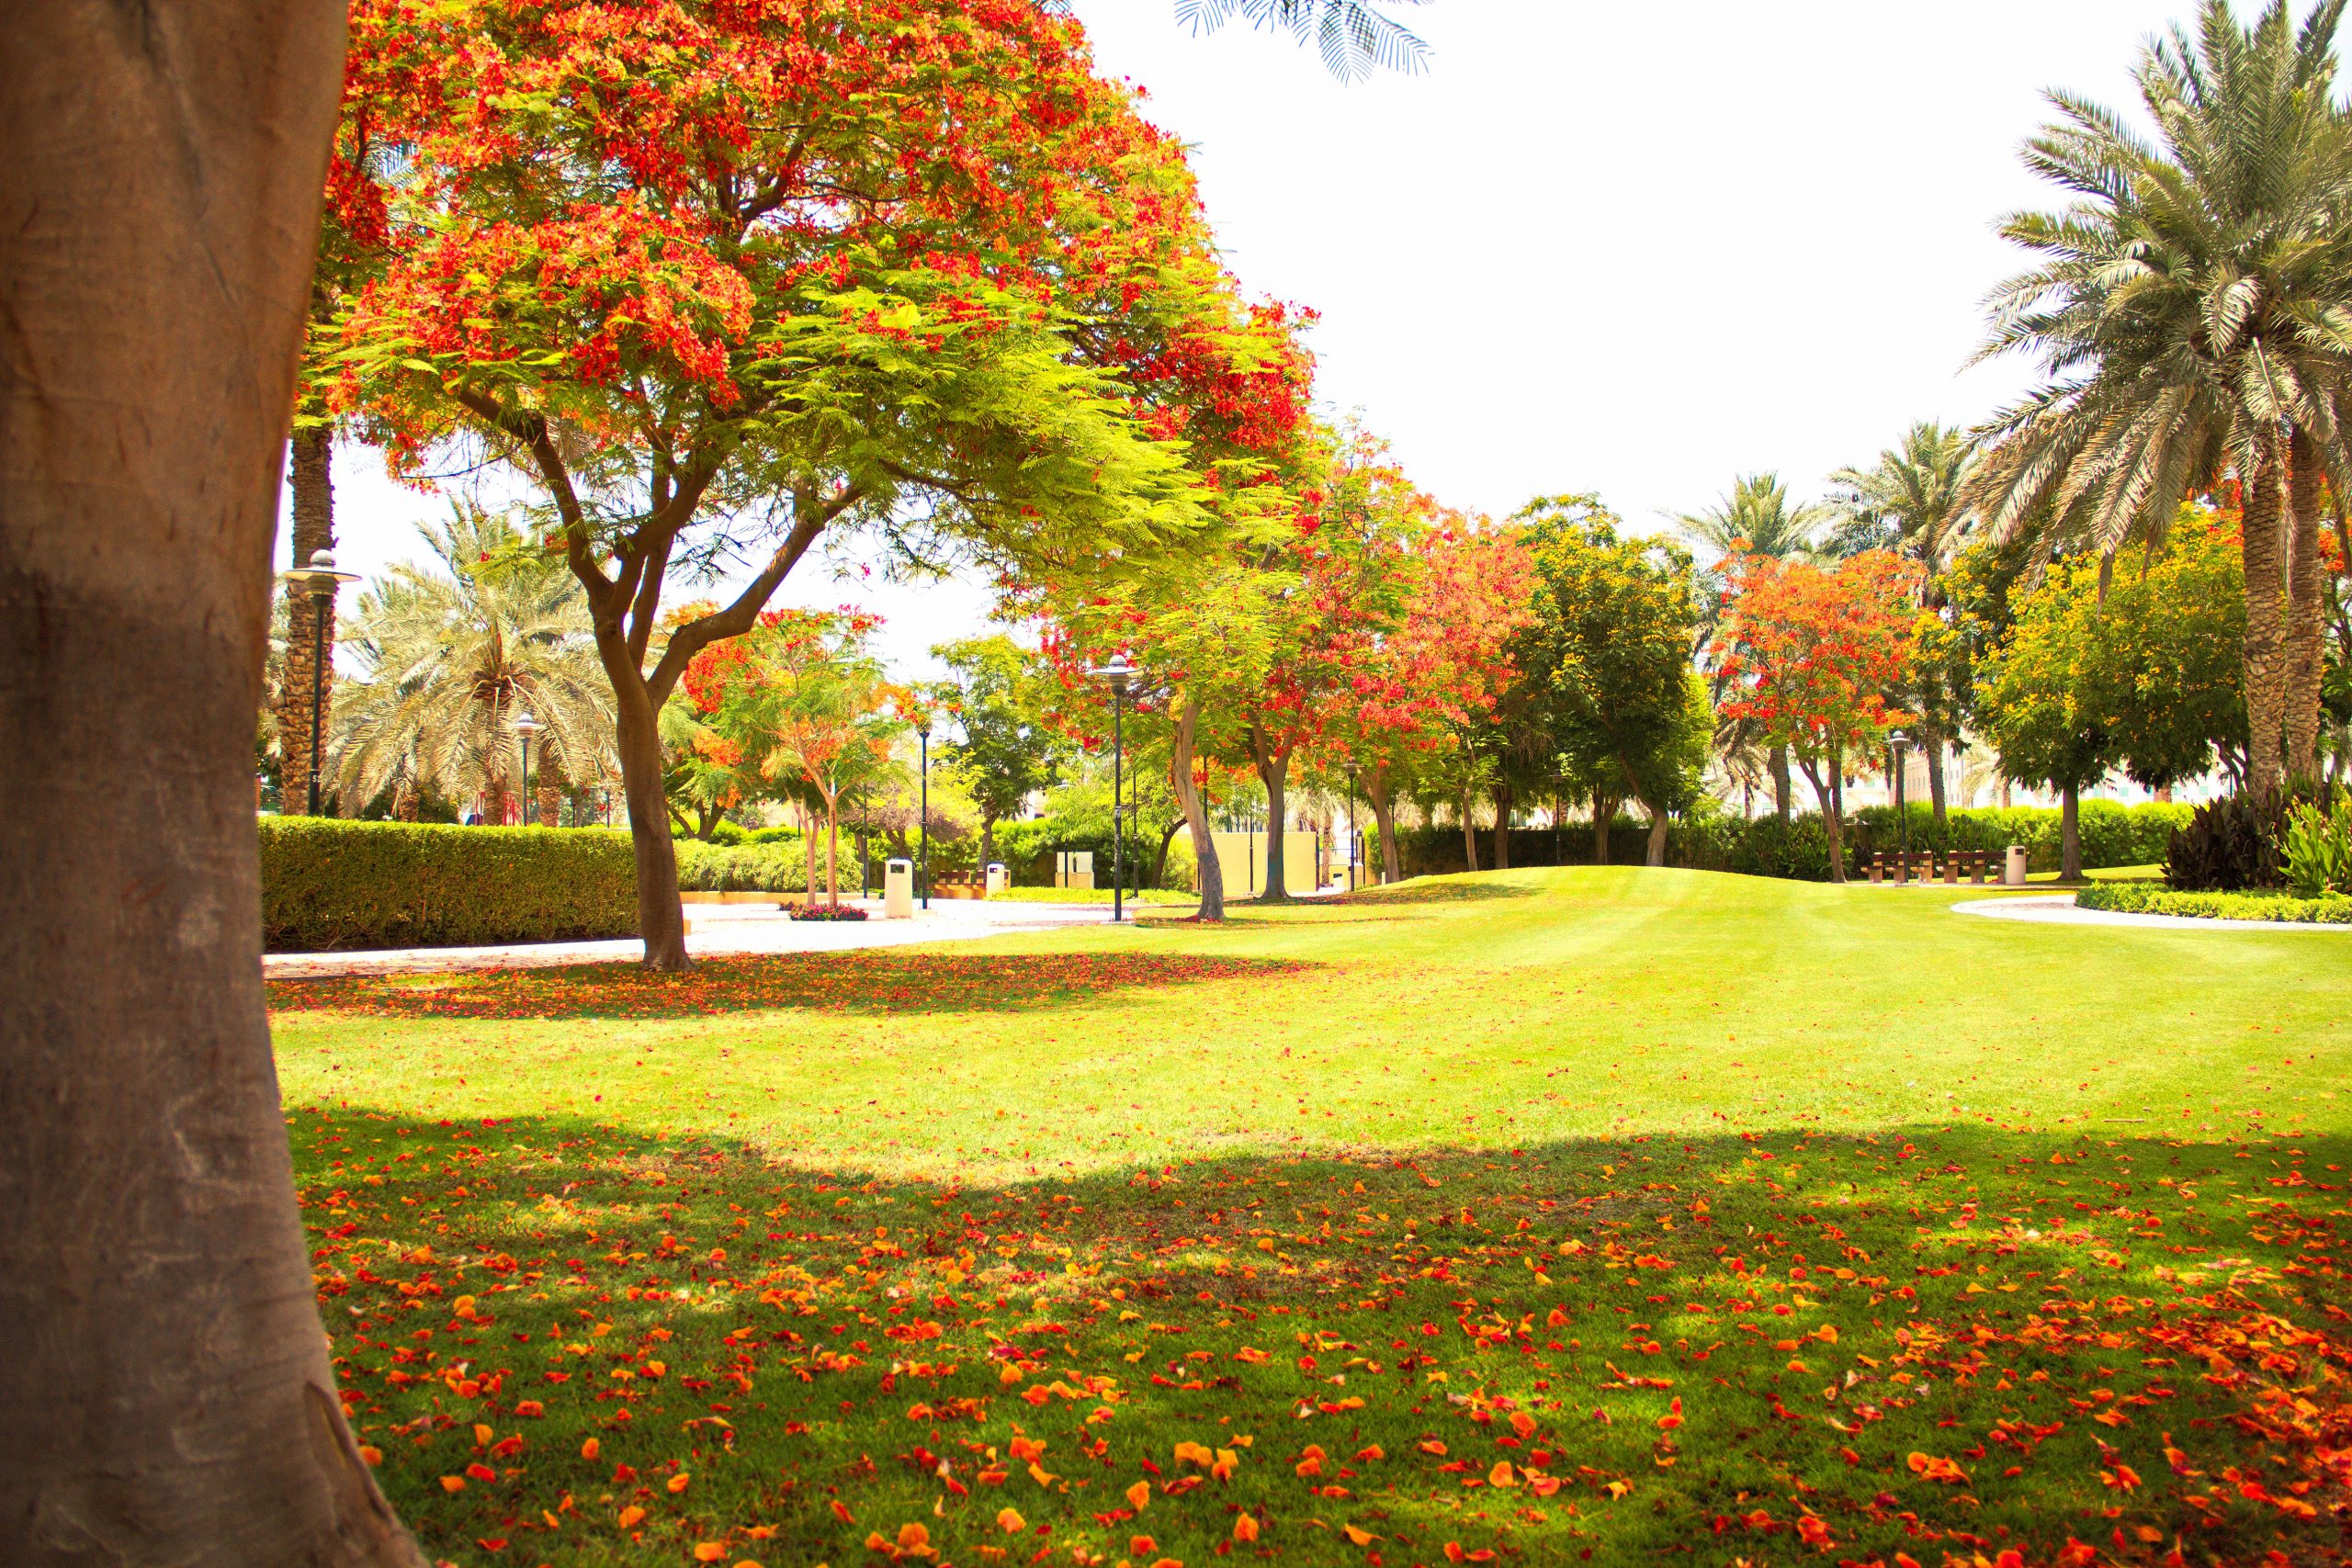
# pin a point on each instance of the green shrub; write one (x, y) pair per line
(2318, 847)
(329, 885)
(748, 868)
(2147, 898)
(2113, 834)
(2226, 847)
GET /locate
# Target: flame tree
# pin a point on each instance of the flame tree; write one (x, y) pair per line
(722, 280)
(1810, 654)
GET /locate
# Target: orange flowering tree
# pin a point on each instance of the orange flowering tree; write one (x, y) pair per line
(801, 709)
(722, 279)
(1810, 653)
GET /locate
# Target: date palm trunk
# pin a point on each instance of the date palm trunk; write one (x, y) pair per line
(312, 483)
(166, 1396)
(2306, 632)
(2265, 646)
(1210, 875)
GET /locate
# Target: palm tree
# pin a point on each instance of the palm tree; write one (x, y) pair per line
(1907, 503)
(1754, 519)
(1355, 36)
(452, 655)
(2189, 311)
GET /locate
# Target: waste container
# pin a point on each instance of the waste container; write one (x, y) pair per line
(898, 890)
(2013, 873)
(999, 880)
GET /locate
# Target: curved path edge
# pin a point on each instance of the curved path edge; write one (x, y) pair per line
(2059, 910)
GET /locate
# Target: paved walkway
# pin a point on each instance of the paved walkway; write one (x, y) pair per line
(2059, 910)
(712, 928)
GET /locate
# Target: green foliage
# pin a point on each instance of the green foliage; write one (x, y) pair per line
(777, 867)
(2318, 848)
(2228, 846)
(2112, 833)
(2143, 899)
(999, 694)
(1605, 680)
(332, 884)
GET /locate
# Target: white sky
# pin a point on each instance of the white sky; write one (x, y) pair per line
(1636, 249)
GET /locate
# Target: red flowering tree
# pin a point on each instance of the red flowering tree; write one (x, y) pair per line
(1417, 693)
(1810, 654)
(721, 279)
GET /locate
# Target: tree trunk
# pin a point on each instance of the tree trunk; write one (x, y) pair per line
(1932, 748)
(167, 1396)
(1604, 817)
(809, 840)
(1273, 772)
(1657, 847)
(1503, 797)
(1210, 875)
(2307, 595)
(1160, 861)
(1469, 828)
(1780, 784)
(1383, 819)
(987, 847)
(313, 487)
(2265, 665)
(661, 914)
(2001, 795)
(832, 854)
(2070, 834)
(1826, 791)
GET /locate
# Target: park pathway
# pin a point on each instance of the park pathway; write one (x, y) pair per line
(712, 930)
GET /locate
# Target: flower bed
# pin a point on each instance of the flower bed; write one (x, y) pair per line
(2146, 898)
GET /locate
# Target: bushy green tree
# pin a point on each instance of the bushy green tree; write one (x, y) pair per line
(998, 694)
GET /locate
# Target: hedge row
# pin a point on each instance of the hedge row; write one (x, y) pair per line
(2112, 834)
(752, 868)
(2146, 898)
(327, 884)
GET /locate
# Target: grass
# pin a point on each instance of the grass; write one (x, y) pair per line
(1544, 1213)
(1092, 895)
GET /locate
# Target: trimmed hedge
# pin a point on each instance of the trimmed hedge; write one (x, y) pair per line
(2144, 898)
(329, 885)
(751, 868)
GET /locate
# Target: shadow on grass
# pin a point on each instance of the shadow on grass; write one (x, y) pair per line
(1455, 889)
(1932, 1340)
(877, 981)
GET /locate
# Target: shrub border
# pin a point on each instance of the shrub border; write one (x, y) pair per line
(2142, 898)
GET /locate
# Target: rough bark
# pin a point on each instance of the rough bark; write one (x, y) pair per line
(1273, 771)
(1210, 875)
(2265, 664)
(166, 1396)
(1469, 828)
(1383, 817)
(2070, 834)
(1604, 817)
(2306, 631)
(832, 854)
(1932, 748)
(1160, 861)
(313, 488)
(1503, 797)
(661, 914)
(1781, 782)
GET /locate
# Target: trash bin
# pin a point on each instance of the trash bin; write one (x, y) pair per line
(999, 880)
(898, 890)
(2013, 873)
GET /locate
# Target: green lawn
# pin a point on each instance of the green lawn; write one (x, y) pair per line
(1568, 1216)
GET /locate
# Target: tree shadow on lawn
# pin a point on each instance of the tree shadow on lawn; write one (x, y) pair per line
(893, 981)
(1928, 1340)
(1457, 888)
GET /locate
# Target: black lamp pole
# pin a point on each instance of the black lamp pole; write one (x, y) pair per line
(1353, 848)
(1901, 816)
(922, 855)
(322, 606)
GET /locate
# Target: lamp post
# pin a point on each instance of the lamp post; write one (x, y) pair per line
(922, 855)
(1117, 675)
(1896, 743)
(319, 579)
(525, 728)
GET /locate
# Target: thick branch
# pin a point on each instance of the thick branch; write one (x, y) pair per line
(744, 613)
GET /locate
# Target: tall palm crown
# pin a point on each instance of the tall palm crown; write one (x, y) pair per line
(1355, 36)
(450, 658)
(1756, 518)
(2187, 307)
(1907, 502)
